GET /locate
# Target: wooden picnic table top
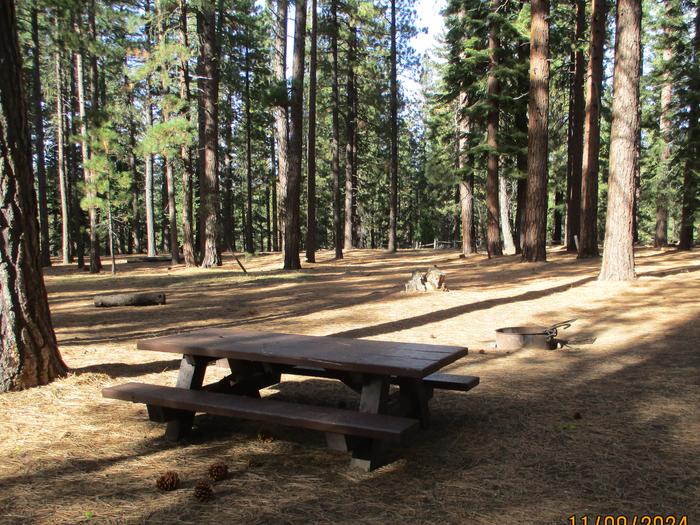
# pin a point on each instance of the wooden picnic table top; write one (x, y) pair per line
(389, 358)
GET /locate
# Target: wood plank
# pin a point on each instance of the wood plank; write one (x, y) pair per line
(334, 353)
(324, 419)
(451, 382)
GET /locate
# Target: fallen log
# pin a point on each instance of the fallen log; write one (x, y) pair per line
(146, 259)
(130, 299)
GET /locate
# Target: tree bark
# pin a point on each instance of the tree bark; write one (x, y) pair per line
(335, 139)
(29, 353)
(281, 120)
(558, 217)
(227, 177)
(394, 102)
(493, 234)
(95, 264)
(172, 212)
(521, 124)
(38, 98)
(466, 183)
(521, 205)
(535, 248)
(249, 244)
(588, 242)
(185, 152)
(350, 146)
(296, 131)
(273, 192)
(311, 146)
(135, 240)
(618, 248)
(208, 178)
(148, 160)
(504, 210)
(573, 194)
(61, 162)
(692, 167)
(662, 199)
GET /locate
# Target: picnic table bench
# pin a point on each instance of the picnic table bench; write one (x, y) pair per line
(258, 359)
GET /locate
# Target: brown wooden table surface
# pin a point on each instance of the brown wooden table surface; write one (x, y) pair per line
(387, 358)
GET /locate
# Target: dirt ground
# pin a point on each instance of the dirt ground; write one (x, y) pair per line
(604, 427)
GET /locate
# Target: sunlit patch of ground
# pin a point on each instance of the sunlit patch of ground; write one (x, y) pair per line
(510, 451)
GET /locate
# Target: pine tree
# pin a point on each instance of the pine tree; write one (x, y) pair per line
(294, 159)
(29, 354)
(618, 250)
(534, 248)
(588, 243)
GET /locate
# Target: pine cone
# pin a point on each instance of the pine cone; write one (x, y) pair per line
(168, 481)
(203, 491)
(218, 471)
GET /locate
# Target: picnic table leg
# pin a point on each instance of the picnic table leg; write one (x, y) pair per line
(414, 397)
(367, 454)
(191, 376)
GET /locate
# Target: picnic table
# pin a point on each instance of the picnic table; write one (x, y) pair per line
(258, 359)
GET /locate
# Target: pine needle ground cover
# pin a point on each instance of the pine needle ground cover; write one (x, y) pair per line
(611, 427)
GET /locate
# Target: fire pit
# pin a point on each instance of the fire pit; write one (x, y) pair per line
(517, 337)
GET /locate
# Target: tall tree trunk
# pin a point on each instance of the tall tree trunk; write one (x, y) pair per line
(558, 217)
(662, 199)
(75, 173)
(281, 120)
(466, 183)
(95, 264)
(93, 215)
(38, 98)
(61, 161)
(172, 212)
(588, 242)
(227, 177)
(249, 244)
(504, 210)
(135, 207)
(573, 194)
(185, 151)
(209, 197)
(535, 248)
(356, 210)
(164, 224)
(311, 146)
(521, 205)
(493, 234)
(521, 124)
(29, 353)
(148, 190)
(394, 102)
(296, 131)
(335, 139)
(350, 145)
(618, 247)
(148, 160)
(692, 167)
(273, 191)
(268, 231)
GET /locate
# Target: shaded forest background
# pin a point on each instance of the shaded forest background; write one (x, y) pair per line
(166, 125)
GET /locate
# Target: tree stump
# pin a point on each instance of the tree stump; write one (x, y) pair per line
(130, 299)
(432, 280)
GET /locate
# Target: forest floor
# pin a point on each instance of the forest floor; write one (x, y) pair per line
(611, 427)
